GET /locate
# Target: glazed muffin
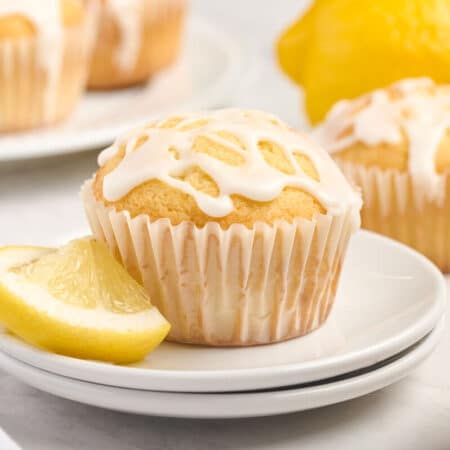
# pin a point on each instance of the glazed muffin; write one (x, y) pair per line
(136, 39)
(236, 224)
(394, 143)
(44, 56)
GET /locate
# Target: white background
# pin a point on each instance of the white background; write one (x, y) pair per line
(39, 203)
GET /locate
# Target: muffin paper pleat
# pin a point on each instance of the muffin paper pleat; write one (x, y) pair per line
(399, 208)
(237, 286)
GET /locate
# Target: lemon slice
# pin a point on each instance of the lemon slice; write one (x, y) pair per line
(77, 301)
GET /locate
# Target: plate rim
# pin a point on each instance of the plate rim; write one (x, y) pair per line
(227, 380)
(208, 98)
(246, 404)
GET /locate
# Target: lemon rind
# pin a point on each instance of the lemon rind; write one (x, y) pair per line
(25, 310)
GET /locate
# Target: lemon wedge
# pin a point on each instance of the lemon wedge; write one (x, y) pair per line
(77, 301)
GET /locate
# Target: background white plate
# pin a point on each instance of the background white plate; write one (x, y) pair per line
(208, 70)
(389, 298)
(226, 405)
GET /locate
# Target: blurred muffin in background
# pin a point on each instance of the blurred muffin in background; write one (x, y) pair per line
(394, 143)
(44, 59)
(136, 38)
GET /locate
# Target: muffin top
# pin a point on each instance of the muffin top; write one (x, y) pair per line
(403, 127)
(228, 166)
(24, 18)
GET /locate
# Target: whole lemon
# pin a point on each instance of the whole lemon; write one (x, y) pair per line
(344, 48)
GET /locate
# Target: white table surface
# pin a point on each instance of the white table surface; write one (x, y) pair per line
(39, 203)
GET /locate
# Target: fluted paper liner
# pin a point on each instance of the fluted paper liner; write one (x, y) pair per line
(237, 286)
(399, 208)
(30, 96)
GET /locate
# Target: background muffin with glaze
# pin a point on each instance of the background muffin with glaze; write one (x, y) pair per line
(395, 144)
(136, 39)
(235, 223)
(44, 56)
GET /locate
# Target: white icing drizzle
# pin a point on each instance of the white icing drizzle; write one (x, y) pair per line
(46, 17)
(421, 111)
(128, 16)
(255, 179)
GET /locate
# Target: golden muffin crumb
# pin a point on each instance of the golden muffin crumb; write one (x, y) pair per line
(393, 156)
(158, 199)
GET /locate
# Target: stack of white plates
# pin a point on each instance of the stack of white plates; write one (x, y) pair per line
(387, 319)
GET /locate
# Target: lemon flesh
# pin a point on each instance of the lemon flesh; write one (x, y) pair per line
(77, 301)
(344, 48)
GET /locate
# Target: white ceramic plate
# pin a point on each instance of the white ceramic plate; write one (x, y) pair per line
(205, 76)
(389, 298)
(226, 405)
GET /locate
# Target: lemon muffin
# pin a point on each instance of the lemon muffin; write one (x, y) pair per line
(44, 52)
(395, 144)
(136, 38)
(236, 224)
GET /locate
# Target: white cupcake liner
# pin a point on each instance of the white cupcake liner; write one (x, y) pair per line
(237, 286)
(392, 189)
(394, 205)
(31, 92)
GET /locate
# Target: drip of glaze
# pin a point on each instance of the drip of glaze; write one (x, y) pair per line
(255, 179)
(46, 17)
(128, 16)
(416, 107)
